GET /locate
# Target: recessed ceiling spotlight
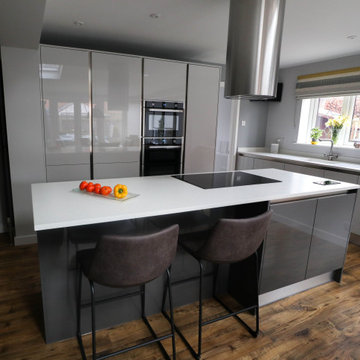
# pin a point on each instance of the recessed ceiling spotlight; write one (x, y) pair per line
(351, 37)
(79, 23)
(154, 15)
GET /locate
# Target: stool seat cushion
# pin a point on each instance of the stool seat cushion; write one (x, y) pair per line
(229, 241)
(130, 260)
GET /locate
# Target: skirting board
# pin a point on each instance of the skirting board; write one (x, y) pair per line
(289, 290)
(25, 239)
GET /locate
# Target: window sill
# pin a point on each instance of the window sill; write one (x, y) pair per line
(326, 144)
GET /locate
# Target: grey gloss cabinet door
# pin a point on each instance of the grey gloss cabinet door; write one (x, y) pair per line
(244, 163)
(201, 118)
(66, 99)
(164, 80)
(331, 234)
(304, 170)
(116, 96)
(267, 164)
(287, 243)
(354, 179)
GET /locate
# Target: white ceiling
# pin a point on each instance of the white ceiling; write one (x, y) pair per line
(196, 30)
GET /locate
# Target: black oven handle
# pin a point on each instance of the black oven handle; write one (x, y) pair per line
(164, 146)
(165, 110)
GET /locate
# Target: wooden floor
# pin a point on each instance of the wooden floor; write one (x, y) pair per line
(322, 323)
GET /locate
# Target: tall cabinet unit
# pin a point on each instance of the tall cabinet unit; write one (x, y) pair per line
(164, 80)
(66, 104)
(201, 118)
(116, 113)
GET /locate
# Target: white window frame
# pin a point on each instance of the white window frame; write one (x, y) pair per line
(307, 119)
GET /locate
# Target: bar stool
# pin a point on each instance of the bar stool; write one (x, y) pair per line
(127, 261)
(230, 241)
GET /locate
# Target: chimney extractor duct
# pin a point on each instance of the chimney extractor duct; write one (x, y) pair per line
(254, 40)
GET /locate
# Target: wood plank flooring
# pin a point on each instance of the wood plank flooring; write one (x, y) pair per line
(322, 323)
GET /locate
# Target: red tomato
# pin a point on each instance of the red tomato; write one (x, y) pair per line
(97, 188)
(90, 187)
(83, 185)
(105, 190)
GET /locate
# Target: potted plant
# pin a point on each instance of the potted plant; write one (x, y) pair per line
(315, 135)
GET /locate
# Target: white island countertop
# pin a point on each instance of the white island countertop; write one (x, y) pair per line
(57, 205)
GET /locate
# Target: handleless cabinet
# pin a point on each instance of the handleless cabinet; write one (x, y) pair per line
(201, 118)
(304, 170)
(331, 234)
(66, 100)
(354, 179)
(164, 80)
(116, 99)
(244, 163)
(266, 164)
(286, 247)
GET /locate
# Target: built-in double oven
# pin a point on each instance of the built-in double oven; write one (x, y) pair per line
(162, 138)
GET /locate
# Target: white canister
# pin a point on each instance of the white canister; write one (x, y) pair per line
(274, 148)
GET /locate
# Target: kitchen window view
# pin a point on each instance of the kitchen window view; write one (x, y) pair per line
(316, 113)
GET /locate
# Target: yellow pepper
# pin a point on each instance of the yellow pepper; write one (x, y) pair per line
(120, 191)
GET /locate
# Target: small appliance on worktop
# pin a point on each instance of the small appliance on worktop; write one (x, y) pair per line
(224, 179)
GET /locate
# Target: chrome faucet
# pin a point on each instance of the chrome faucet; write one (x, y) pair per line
(330, 155)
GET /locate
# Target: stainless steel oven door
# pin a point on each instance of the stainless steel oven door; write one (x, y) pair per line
(163, 122)
(162, 158)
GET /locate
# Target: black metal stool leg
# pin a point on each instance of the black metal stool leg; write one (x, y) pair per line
(78, 313)
(168, 272)
(93, 326)
(142, 297)
(216, 270)
(200, 309)
(257, 294)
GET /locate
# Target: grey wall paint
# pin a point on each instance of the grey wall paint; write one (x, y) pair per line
(25, 133)
(255, 114)
(283, 117)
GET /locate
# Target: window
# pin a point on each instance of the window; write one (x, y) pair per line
(315, 112)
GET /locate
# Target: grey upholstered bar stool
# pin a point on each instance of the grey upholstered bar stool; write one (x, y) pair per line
(230, 241)
(127, 261)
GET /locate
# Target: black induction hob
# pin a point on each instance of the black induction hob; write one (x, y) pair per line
(224, 179)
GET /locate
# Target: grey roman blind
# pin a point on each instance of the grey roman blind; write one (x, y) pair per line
(331, 83)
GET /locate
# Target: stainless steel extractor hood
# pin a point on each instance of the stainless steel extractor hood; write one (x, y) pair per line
(254, 40)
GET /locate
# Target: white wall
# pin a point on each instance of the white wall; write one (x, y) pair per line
(283, 117)
(255, 114)
(25, 133)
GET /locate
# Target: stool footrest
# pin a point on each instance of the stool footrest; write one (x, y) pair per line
(254, 333)
(234, 314)
(115, 353)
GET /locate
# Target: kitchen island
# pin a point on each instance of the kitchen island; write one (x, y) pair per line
(306, 243)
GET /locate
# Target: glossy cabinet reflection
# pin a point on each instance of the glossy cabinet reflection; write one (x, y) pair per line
(116, 96)
(286, 247)
(164, 80)
(201, 118)
(354, 179)
(244, 163)
(266, 164)
(304, 170)
(331, 234)
(65, 98)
